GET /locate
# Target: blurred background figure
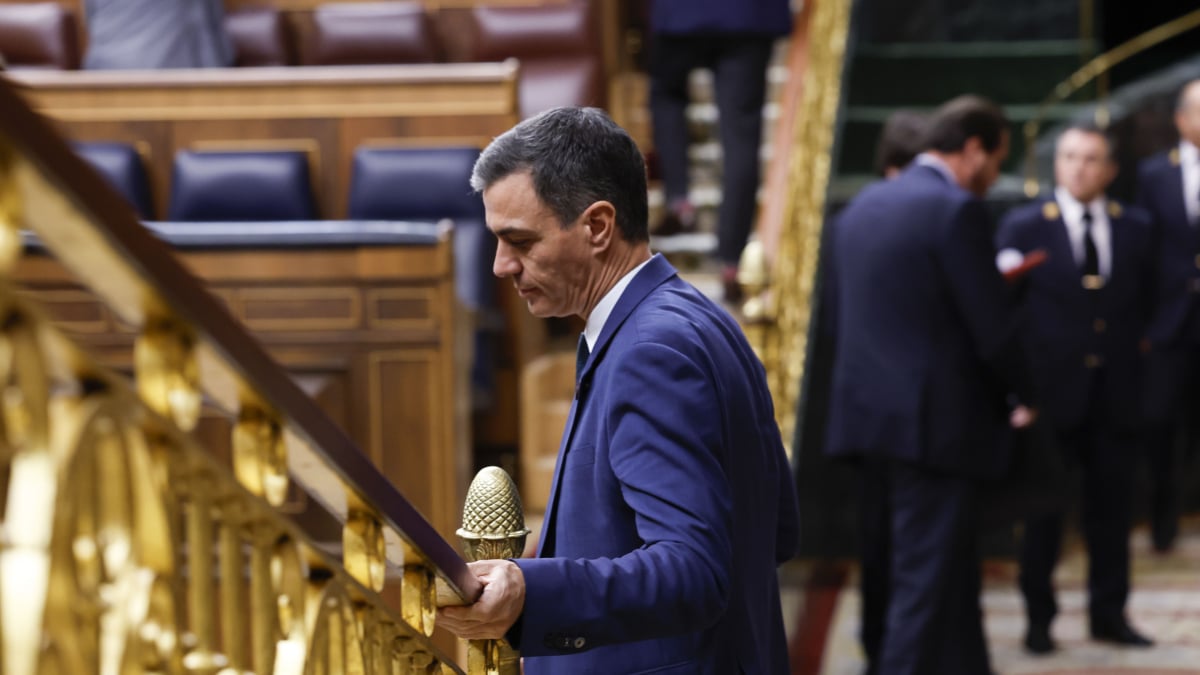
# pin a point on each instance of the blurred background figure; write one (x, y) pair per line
(1168, 187)
(900, 142)
(734, 40)
(927, 357)
(149, 34)
(1086, 313)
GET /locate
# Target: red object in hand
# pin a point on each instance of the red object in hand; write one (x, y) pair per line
(1030, 261)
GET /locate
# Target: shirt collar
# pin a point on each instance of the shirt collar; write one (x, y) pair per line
(935, 163)
(1072, 208)
(604, 308)
(1188, 153)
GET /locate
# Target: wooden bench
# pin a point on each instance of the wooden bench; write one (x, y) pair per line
(327, 112)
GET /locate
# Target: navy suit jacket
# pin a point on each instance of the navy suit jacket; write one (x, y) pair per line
(1072, 331)
(1160, 191)
(927, 330)
(672, 502)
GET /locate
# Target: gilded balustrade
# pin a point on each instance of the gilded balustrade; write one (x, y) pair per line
(780, 315)
(126, 547)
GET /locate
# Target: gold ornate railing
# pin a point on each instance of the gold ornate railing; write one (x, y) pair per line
(781, 338)
(125, 546)
(1098, 67)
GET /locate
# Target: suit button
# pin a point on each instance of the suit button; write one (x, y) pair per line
(1099, 325)
(580, 642)
(1092, 361)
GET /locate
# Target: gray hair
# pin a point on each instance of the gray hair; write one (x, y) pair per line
(575, 157)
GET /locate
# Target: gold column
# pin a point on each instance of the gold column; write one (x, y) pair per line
(784, 348)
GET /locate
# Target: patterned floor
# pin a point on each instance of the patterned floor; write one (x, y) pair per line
(1165, 605)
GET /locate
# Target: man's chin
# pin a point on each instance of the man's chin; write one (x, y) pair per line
(537, 309)
(542, 310)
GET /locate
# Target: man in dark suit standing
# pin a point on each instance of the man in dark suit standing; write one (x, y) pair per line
(927, 357)
(1168, 187)
(1087, 310)
(672, 501)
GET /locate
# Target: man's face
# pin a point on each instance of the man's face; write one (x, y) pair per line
(987, 165)
(1082, 164)
(1187, 118)
(549, 265)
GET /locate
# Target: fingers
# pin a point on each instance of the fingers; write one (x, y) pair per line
(498, 607)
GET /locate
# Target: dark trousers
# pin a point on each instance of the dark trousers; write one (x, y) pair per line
(739, 67)
(875, 543)
(1105, 458)
(933, 623)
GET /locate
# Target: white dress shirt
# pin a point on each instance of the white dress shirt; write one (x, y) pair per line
(1189, 166)
(1072, 215)
(929, 160)
(599, 315)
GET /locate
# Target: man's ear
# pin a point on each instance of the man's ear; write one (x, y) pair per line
(973, 149)
(600, 219)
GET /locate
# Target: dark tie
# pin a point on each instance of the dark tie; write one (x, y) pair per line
(581, 356)
(1091, 258)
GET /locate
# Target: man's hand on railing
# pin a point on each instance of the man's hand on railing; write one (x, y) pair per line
(497, 609)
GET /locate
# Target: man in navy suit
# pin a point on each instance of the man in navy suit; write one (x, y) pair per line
(927, 356)
(1087, 311)
(672, 502)
(1168, 186)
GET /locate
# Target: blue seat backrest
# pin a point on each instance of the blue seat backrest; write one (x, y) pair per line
(121, 164)
(414, 184)
(211, 186)
(429, 184)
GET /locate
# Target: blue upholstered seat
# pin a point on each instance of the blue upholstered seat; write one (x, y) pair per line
(429, 184)
(432, 184)
(121, 164)
(241, 186)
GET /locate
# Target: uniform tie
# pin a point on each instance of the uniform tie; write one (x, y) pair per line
(581, 356)
(1091, 258)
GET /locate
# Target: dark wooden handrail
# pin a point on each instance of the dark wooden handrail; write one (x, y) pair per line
(122, 262)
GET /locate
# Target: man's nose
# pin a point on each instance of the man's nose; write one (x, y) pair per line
(505, 265)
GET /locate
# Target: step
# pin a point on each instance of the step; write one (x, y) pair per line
(926, 74)
(864, 124)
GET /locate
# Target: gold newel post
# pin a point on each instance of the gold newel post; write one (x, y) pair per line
(493, 528)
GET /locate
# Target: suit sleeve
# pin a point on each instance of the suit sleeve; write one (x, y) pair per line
(666, 453)
(984, 301)
(1162, 323)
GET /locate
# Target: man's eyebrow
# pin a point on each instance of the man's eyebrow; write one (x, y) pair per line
(511, 230)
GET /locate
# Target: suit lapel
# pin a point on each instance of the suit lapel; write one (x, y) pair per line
(656, 271)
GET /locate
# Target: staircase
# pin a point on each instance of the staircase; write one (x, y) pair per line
(885, 77)
(692, 254)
